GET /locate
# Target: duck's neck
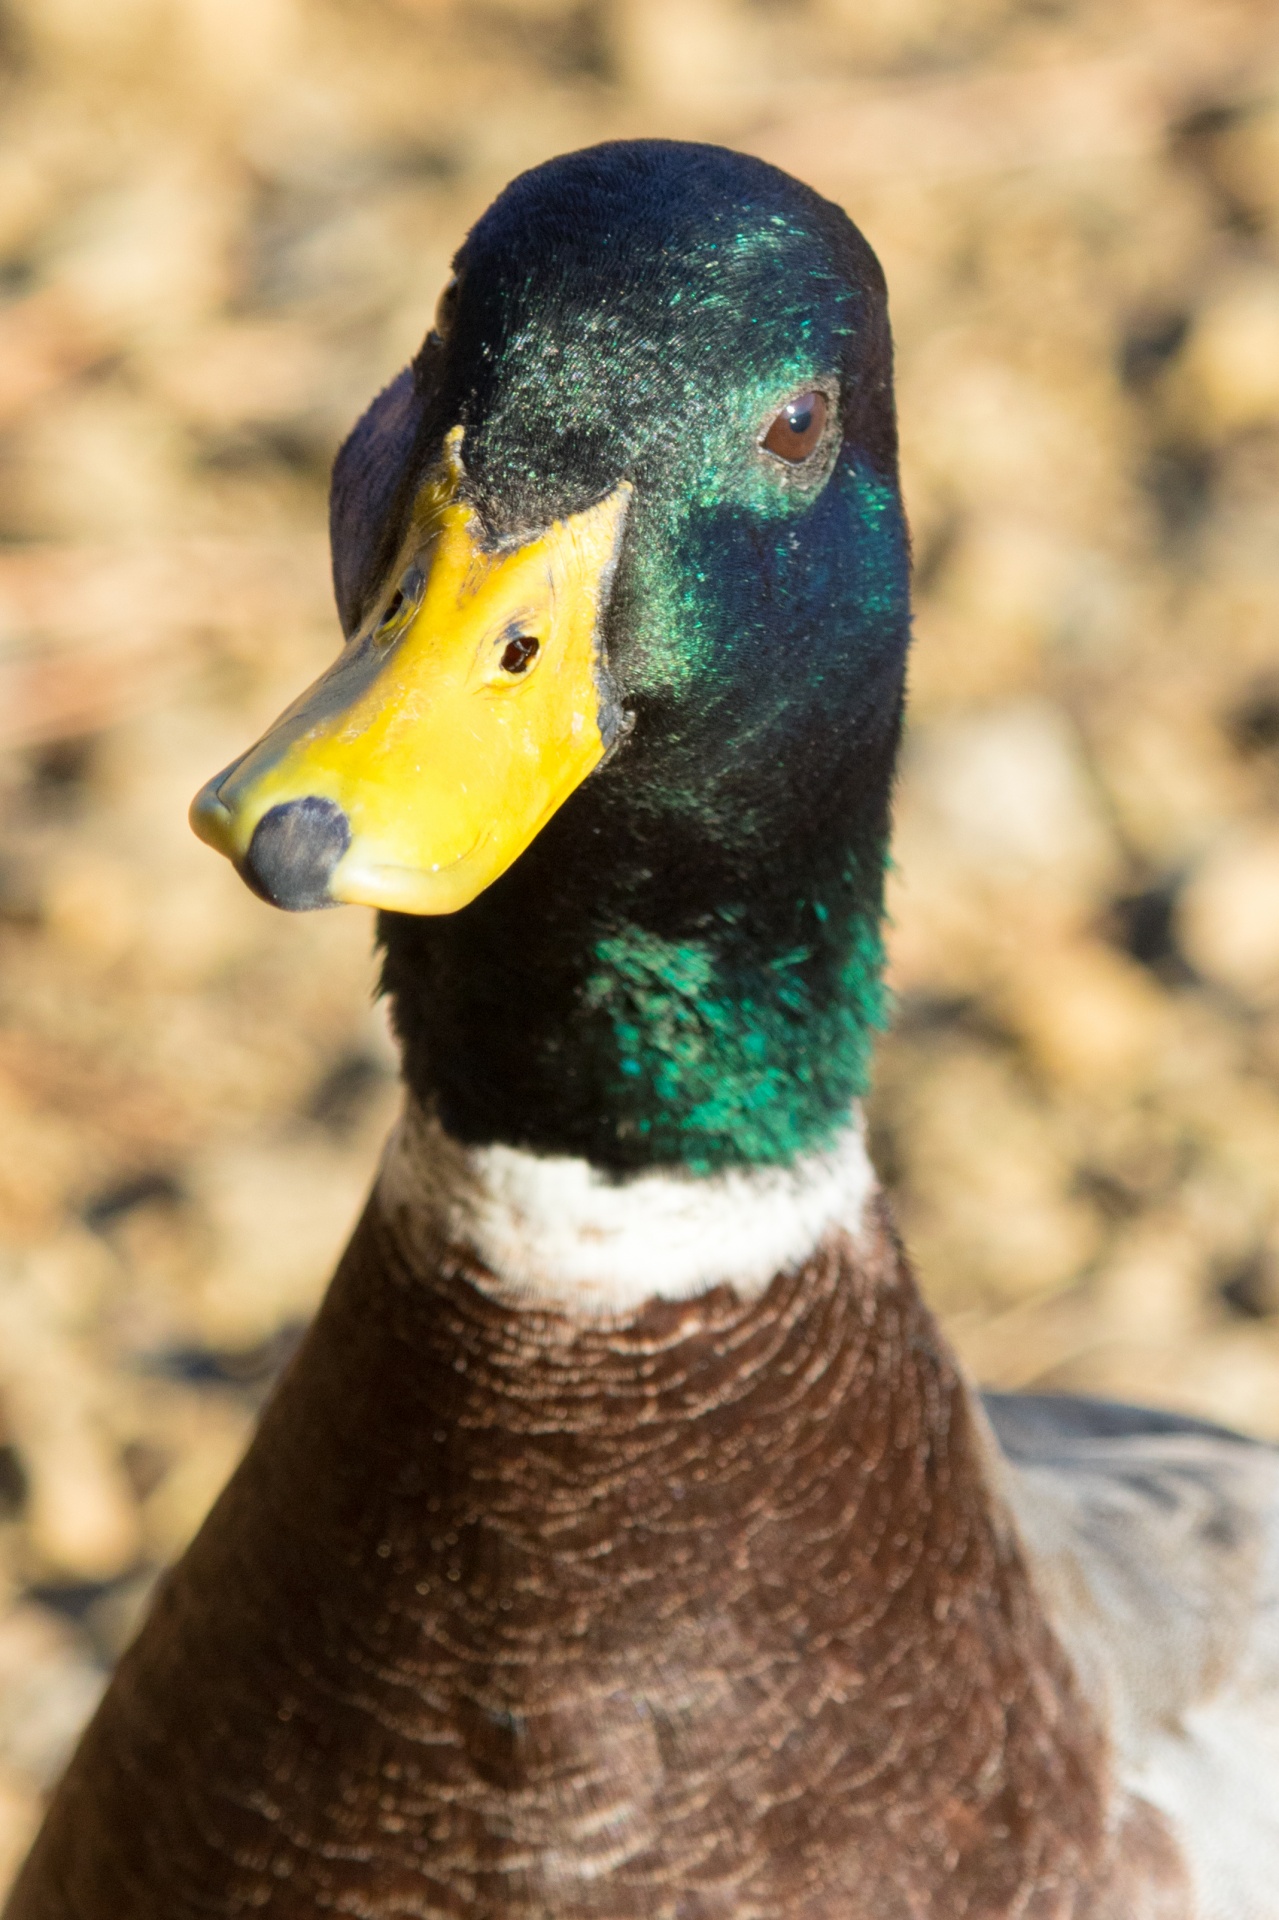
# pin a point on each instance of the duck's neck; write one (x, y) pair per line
(658, 984)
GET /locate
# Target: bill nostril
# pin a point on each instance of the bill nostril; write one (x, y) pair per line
(293, 852)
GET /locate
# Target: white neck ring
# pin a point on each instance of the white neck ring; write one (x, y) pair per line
(557, 1232)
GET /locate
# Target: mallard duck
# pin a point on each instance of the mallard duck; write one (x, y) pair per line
(624, 1540)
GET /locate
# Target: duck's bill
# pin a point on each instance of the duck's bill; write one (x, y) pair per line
(453, 725)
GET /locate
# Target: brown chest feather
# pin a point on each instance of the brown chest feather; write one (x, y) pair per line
(711, 1614)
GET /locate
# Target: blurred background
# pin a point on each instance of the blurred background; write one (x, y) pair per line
(223, 225)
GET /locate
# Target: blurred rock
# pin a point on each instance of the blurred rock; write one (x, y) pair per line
(1228, 915)
(1088, 1016)
(76, 34)
(888, 31)
(1149, 1287)
(28, 179)
(91, 903)
(694, 55)
(20, 1806)
(265, 370)
(147, 259)
(44, 341)
(1243, 156)
(98, 462)
(1165, 768)
(81, 1520)
(48, 1687)
(988, 1194)
(1010, 790)
(233, 51)
(210, 1438)
(998, 828)
(1250, 1287)
(1227, 379)
(1004, 595)
(280, 1215)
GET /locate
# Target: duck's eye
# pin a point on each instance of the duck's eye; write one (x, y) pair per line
(797, 428)
(519, 654)
(405, 597)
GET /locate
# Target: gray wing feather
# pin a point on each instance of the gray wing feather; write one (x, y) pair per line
(1155, 1540)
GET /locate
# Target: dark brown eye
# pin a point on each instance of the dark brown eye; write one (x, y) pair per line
(519, 654)
(406, 595)
(797, 429)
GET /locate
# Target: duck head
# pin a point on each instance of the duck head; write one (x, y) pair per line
(623, 570)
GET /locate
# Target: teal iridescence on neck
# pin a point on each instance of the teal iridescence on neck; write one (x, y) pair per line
(719, 1058)
(724, 1046)
(684, 968)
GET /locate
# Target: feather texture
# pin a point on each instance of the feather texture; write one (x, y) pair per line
(712, 1609)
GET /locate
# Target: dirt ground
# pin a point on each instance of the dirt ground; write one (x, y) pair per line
(223, 224)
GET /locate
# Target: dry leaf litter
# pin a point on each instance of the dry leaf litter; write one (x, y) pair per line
(223, 224)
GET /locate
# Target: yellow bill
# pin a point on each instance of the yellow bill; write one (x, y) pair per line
(455, 722)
